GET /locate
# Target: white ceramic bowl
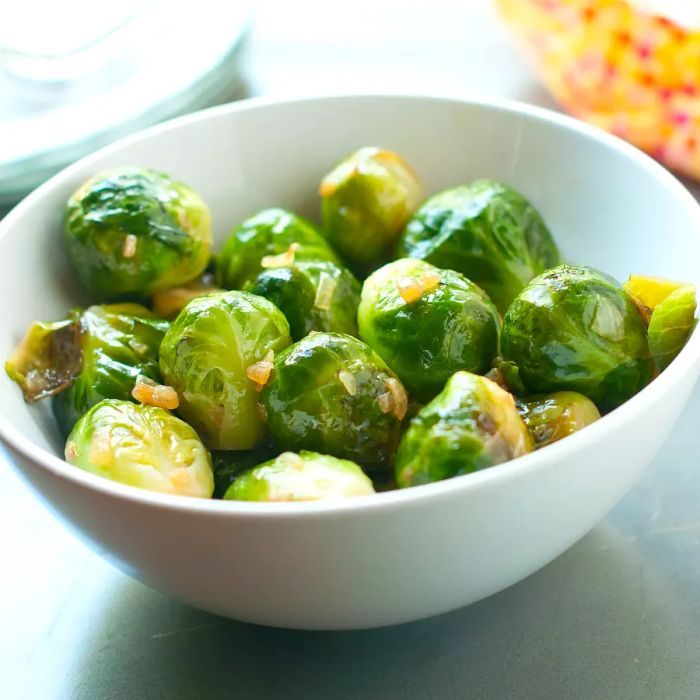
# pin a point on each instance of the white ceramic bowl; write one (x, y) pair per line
(396, 556)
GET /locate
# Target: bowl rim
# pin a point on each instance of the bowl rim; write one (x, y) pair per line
(682, 367)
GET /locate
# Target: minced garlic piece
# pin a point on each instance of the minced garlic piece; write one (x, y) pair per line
(129, 247)
(282, 260)
(324, 293)
(430, 281)
(399, 399)
(410, 289)
(147, 392)
(385, 402)
(347, 379)
(259, 372)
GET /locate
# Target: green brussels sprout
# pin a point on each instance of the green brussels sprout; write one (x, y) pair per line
(551, 417)
(272, 238)
(95, 354)
(573, 328)
(119, 343)
(141, 446)
(488, 232)
(366, 201)
(307, 476)
(228, 465)
(313, 295)
(331, 393)
(214, 355)
(427, 323)
(472, 424)
(670, 325)
(131, 232)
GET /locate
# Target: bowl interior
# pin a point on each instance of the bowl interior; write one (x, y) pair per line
(606, 204)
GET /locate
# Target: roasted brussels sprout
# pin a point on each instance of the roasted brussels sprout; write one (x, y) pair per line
(331, 393)
(488, 232)
(427, 323)
(366, 201)
(551, 417)
(141, 446)
(307, 476)
(217, 354)
(472, 424)
(574, 328)
(669, 309)
(131, 232)
(119, 343)
(95, 354)
(270, 239)
(670, 325)
(229, 465)
(313, 296)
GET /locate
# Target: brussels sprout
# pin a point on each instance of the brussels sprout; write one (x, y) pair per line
(313, 295)
(488, 232)
(95, 354)
(669, 309)
(552, 417)
(331, 393)
(272, 238)
(167, 303)
(670, 325)
(366, 201)
(131, 232)
(427, 323)
(141, 446)
(307, 476)
(229, 465)
(574, 328)
(118, 343)
(214, 355)
(470, 425)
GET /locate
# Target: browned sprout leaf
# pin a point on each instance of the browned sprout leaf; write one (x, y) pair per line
(47, 359)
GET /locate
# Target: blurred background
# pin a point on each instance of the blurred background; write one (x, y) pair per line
(76, 75)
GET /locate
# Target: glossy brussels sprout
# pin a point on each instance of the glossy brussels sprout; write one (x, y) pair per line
(119, 343)
(141, 446)
(488, 232)
(313, 296)
(427, 323)
(472, 424)
(574, 328)
(131, 232)
(217, 354)
(366, 201)
(669, 309)
(551, 417)
(331, 393)
(95, 354)
(307, 476)
(230, 464)
(272, 238)
(670, 325)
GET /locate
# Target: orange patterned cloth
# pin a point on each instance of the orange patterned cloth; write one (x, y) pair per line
(634, 74)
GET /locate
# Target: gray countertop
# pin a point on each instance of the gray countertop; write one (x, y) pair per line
(617, 616)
